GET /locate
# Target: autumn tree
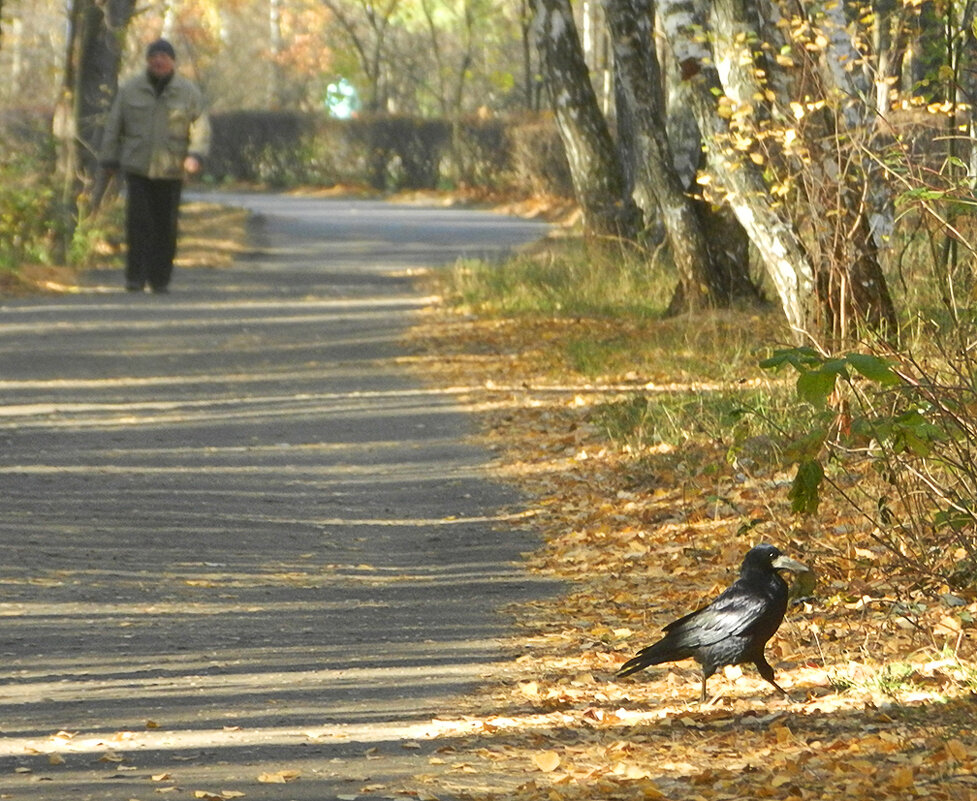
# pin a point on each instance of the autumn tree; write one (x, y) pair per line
(789, 103)
(595, 164)
(367, 28)
(780, 178)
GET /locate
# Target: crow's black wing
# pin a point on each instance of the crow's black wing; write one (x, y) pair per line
(736, 612)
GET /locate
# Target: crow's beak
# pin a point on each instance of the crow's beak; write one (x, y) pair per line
(786, 563)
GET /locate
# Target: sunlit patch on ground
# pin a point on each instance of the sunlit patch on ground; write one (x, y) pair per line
(881, 701)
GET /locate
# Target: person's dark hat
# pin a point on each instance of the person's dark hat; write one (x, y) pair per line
(161, 46)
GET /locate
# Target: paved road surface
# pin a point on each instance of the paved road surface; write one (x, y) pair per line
(238, 538)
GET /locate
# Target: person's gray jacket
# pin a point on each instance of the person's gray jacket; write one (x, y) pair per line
(151, 135)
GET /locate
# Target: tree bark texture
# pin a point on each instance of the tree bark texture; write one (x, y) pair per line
(103, 28)
(827, 273)
(595, 165)
(778, 244)
(707, 276)
(837, 177)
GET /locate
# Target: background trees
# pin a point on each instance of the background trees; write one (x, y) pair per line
(405, 56)
(801, 113)
(770, 138)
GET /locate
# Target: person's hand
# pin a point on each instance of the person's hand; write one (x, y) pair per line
(192, 165)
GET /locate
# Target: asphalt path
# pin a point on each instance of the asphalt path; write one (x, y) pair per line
(246, 550)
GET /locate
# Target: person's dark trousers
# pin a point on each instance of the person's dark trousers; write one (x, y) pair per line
(152, 214)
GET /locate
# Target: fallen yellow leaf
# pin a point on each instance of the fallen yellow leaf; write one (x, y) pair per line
(281, 777)
(546, 761)
(903, 778)
(948, 626)
(957, 750)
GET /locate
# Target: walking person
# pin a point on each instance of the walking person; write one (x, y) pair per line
(157, 132)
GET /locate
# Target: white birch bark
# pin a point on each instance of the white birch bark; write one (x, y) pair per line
(775, 239)
(844, 67)
(595, 167)
(659, 188)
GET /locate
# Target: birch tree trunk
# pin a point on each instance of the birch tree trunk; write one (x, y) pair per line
(706, 276)
(745, 191)
(595, 166)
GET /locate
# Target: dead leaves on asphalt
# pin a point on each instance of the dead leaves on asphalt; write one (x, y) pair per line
(211, 235)
(881, 679)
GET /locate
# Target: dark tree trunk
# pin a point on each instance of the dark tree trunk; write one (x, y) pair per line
(99, 61)
(91, 75)
(595, 165)
(858, 296)
(710, 273)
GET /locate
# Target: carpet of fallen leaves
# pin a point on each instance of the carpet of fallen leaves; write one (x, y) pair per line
(881, 681)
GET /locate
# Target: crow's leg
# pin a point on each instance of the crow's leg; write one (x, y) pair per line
(707, 670)
(767, 673)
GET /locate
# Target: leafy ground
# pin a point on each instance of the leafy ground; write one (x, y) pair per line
(638, 530)
(881, 679)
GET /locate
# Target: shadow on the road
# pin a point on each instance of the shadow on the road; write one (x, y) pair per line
(238, 537)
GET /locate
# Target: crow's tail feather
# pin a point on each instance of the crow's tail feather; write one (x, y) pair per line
(661, 651)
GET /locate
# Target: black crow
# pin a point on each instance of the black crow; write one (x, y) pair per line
(735, 627)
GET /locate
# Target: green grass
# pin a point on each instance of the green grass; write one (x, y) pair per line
(569, 280)
(747, 420)
(615, 300)
(593, 357)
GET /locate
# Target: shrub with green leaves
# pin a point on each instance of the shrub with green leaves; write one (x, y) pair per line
(911, 423)
(28, 233)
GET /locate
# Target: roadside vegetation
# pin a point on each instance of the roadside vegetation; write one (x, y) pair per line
(39, 254)
(654, 452)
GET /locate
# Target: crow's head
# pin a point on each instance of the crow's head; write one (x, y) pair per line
(768, 558)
